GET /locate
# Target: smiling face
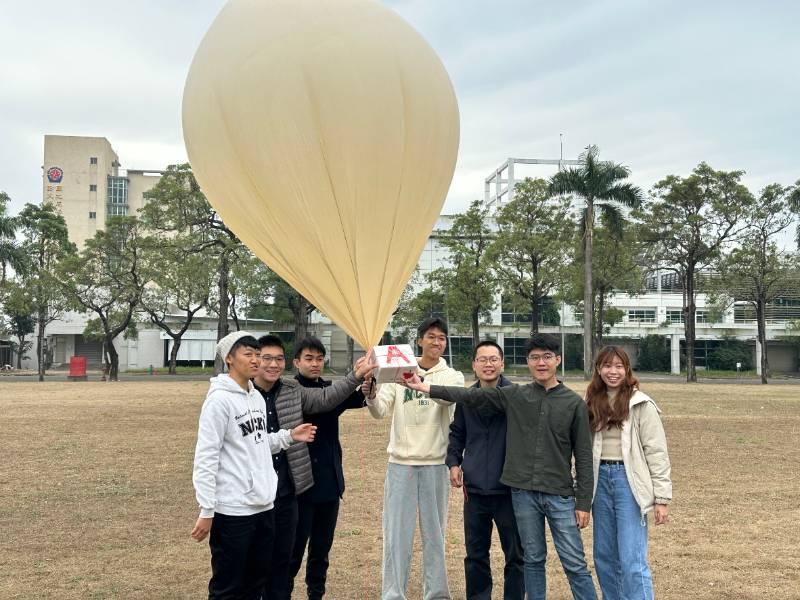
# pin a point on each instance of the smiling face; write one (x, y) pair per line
(433, 343)
(310, 363)
(543, 366)
(488, 365)
(272, 363)
(612, 372)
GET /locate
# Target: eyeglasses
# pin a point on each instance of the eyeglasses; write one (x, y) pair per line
(278, 360)
(488, 360)
(547, 357)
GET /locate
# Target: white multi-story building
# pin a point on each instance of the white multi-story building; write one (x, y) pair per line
(83, 177)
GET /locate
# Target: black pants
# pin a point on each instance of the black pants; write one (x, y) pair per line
(277, 586)
(315, 527)
(479, 512)
(241, 549)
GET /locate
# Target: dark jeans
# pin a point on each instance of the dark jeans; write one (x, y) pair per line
(479, 512)
(278, 585)
(241, 548)
(315, 527)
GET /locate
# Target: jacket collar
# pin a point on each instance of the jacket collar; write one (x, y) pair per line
(504, 382)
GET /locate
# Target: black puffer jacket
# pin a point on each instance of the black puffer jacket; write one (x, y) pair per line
(478, 445)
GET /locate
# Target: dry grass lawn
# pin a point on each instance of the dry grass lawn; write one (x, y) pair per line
(96, 498)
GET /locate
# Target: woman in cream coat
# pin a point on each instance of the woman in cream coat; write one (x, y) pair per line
(632, 476)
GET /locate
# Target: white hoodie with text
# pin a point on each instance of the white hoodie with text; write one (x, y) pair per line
(233, 472)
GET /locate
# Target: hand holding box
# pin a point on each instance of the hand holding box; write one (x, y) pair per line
(394, 362)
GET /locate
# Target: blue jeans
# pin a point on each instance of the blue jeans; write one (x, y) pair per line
(530, 511)
(620, 538)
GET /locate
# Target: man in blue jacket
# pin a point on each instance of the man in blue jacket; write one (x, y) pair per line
(475, 455)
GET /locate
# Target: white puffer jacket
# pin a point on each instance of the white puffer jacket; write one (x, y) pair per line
(644, 452)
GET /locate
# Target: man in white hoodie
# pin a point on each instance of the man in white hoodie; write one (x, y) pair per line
(416, 477)
(233, 477)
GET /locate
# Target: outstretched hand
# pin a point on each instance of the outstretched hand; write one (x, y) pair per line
(415, 383)
(304, 432)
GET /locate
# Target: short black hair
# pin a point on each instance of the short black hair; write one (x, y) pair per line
(543, 341)
(432, 323)
(486, 343)
(271, 340)
(247, 341)
(310, 343)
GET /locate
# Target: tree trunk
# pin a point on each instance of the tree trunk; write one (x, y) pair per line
(601, 317)
(535, 314)
(762, 338)
(42, 320)
(113, 359)
(223, 278)
(588, 296)
(300, 319)
(350, 353)
(476, 327)
(689, 328)
(173, 355)
(20, 352)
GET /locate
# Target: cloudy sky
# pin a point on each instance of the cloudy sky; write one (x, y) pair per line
(657, 85)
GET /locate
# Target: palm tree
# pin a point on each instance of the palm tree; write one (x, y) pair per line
(601, 185)
(10, 253)
(794, 206)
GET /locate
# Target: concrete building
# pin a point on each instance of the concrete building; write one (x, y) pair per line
(83, 177)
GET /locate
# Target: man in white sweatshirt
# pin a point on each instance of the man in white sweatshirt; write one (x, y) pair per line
(233, 477)
(416, 477)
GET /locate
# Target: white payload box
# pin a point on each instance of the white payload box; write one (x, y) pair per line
(394, 362)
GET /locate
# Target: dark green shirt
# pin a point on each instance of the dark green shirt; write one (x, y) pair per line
(545, 429)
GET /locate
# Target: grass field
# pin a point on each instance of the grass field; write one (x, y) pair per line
(96, 498)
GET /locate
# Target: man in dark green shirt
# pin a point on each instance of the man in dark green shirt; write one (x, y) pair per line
(548, 425)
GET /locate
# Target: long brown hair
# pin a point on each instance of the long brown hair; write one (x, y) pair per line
(602, 414)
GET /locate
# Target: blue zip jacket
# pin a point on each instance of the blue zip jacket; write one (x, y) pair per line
(478, 445)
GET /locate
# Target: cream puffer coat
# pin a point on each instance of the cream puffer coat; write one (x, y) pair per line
(644, 452)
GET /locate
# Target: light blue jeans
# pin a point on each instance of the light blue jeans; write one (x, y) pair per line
(620, 538)
(530, 511)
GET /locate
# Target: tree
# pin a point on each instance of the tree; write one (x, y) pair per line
(10, 252)
(615, 268)
(20, 323)
(533, 239)
(176, 205)
(106, 279)
(182, 287)
(601, 185)
(793, 201)
(685, 226)
(468, 279)
(757, 271)
(46, 245)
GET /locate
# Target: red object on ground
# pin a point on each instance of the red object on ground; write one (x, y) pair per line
(77, 367)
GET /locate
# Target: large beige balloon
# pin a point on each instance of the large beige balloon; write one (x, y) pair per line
(325, 133)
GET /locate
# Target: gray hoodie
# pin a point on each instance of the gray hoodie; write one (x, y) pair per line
(233, 472)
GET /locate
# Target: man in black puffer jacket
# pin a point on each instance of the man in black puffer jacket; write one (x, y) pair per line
(475, 455)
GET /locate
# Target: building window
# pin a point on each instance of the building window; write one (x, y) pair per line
(92, 160)
(92, 187)
(548, 312)
(674, 316)
(701, 316)
(641, 315)
(92, 215)
(117, 203)
(514, 350)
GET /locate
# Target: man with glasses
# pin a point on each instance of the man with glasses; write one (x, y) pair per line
(475, 455)
(286, 401)
(548, 425)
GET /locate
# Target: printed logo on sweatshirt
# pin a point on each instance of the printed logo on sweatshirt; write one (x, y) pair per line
(412, 395)
(254, 426)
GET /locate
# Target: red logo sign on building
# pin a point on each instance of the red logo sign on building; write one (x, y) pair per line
(55, 174)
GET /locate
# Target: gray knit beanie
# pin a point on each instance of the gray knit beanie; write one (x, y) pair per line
(225, 344)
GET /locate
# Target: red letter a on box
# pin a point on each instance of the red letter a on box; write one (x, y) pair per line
(394, 352)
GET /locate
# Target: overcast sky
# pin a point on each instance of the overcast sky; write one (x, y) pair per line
(657, 85)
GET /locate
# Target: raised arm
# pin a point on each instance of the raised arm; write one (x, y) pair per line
(320, 400)
(382, 402)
